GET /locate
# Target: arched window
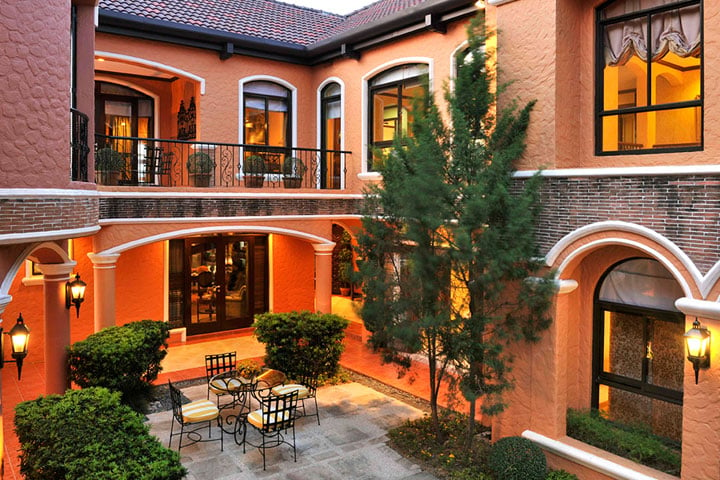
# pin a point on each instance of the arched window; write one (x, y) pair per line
(635, 114)
(638, 361)
(390, 108)
(267, 122)
(331, 136)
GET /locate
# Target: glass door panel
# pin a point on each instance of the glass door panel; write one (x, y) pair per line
(236, 273)
(203, 288)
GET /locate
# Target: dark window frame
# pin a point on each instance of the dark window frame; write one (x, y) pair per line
(401, 85)
(266, 98)
(601, 377)
(325, 101)
(600, 113)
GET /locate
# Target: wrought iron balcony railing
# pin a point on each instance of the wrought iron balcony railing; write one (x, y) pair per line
(79, 145)
(179, 163)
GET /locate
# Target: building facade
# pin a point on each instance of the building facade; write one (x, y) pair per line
(206, 158)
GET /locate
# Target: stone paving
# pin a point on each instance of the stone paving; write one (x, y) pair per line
(350, 442)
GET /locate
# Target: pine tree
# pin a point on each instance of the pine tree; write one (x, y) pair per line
(450, 266)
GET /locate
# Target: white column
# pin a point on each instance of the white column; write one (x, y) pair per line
(104, 288)
(323, 277)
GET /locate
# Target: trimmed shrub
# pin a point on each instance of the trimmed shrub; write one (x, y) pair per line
(517, 458)
(126, 359)
(295, 339)
(88, 434)
(561, 475)
(636, 443)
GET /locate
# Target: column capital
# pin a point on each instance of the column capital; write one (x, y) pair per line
(698, 308)
(323, 248)
(105, 259)
(57, 269)
(566, 285)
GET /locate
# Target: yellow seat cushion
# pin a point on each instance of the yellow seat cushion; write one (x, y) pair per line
(302, 390)
(222, 386)
(271, 378)
(256, 418)
(199, 411)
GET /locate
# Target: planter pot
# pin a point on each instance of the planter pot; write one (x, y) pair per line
(292, 182)
(345, 291)
(254, 181)
(200, 179)
(108, 177)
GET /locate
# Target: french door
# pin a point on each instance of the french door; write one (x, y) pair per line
(224, 281)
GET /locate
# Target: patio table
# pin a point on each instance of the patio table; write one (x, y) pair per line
(242, 390)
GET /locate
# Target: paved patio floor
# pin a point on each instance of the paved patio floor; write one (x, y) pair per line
(350, 442)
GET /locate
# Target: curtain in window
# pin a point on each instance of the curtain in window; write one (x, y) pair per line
(676, 31)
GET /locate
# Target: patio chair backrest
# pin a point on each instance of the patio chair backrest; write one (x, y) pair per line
(278, 411)
(176, 401)
(219, 363)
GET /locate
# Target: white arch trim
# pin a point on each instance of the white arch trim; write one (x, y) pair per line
(217, 229)
(364, 174)
(150, 63)
(568, 239)
(279, 81)
(25, 254)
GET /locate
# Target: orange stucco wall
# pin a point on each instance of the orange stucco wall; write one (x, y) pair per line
(293, 274)
(140, 284)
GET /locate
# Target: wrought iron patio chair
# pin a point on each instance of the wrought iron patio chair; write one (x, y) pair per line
(275, 420)
(192, 418)
(218, 363)
(306, 387)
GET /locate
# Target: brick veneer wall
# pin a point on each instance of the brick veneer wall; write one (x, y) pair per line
(114, 208)
(684, 209)
(38, 214)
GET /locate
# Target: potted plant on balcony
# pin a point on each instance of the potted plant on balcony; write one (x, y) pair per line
(293, 172)
(109, 165)
(254, 171)
(200, 167)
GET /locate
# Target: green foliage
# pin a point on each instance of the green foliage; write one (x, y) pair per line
(633, 442)
(517, 458)
(126, 359)
(561, 475)
(449, 212)
(86, 435)
(417, 439)
(200, 163)
(254, 165)
(293, 167)
(297, 340)
(109, 160)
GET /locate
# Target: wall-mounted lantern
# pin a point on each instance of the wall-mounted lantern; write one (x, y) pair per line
(697, 340)
(19, 339)
(75, 293)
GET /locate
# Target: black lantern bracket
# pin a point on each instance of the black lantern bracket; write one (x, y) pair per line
(75, 294)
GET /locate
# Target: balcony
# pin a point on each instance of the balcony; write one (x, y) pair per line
(133, 161)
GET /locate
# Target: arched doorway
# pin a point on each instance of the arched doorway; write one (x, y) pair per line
(638, 351)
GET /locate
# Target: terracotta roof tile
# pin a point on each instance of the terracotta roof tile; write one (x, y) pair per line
(266, 19)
